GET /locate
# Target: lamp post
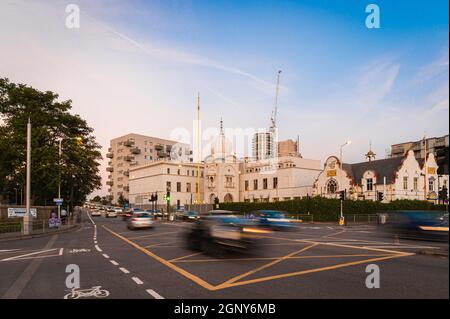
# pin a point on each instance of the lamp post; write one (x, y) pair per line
(348, 142)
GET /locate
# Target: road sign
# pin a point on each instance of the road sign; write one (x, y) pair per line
(20, 212)
(58, 200)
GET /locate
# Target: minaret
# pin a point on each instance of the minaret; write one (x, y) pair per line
(370, 154)
(222, 139)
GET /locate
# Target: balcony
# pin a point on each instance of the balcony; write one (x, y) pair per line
(128, 143)
(126, 173)
(109, 155)
(162, 154)
(159, 147)
(229, 185)
(126, 188)
(110, 183)
(135, 150)
(110, 149)
(135, 163)
(128, 158)
(211, 185)
(110, 169)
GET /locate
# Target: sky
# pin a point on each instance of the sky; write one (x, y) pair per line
(137, 66)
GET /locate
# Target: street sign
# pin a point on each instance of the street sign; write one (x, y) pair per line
(20, 212)
(58, 201)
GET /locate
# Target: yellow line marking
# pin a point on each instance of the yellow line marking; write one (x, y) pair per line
(152, 235)
(179, 259)
(179, 270)
(248, 273)
(163, 243)
(297, 273)
(272, 258)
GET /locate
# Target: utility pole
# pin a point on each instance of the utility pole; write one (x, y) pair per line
(198, 149)
(59, 180)
(27, 216)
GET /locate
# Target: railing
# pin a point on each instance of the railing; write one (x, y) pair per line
(361, 219)
(16, 228)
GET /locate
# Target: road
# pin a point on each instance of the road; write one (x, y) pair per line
(314, 261)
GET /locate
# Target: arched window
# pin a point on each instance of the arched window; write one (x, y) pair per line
(332, 186)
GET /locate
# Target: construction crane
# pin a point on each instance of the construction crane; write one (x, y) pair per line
(274, 113)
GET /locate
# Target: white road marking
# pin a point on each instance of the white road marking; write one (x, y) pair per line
(30, 254)
(61, 251)
(115, 263)
(402, 246)
(98, 248)
(154, 294)
(7, 250)
(137, 280)
(105, 255)
(95, 242)
(124, 270)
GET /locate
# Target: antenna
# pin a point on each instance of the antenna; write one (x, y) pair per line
(274, 114)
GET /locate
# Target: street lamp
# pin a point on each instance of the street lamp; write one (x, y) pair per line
(348, 142)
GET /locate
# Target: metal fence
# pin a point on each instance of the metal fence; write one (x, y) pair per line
(361, 219)
(38, 226)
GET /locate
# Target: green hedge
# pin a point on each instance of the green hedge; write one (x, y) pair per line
(325, 209)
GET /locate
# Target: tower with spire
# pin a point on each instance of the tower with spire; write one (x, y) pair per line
(370, 155)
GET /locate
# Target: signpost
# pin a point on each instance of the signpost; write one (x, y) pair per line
(20, 212)
(58, 201)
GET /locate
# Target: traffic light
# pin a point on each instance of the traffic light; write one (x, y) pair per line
(380, 196)
(168, 197)
(342, 195)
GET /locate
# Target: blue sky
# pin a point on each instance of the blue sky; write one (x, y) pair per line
(145, 61)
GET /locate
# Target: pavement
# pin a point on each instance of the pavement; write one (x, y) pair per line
(313, 261)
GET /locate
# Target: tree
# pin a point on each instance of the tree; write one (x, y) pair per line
(122, 200)
(97, 199)
(51, 121)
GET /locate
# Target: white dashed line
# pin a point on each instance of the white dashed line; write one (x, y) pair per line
(61, 251)
(106, 256)
(115, 263)
(154, 294)
(98, 248)
(124, 270)
(137, 280)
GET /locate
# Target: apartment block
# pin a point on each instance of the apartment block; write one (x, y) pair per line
(132, 150)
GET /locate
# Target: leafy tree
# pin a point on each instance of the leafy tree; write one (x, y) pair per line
(97, 199)
(78, 167)
(122, 200)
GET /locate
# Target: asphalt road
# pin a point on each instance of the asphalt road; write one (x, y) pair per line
(314, 261)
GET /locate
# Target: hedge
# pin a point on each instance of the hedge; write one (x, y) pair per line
(325, 209)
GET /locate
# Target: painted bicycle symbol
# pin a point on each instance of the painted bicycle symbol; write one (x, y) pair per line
(86, 293)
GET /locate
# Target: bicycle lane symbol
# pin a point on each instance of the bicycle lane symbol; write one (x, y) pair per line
(73, 285)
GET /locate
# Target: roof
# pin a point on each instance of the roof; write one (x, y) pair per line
(383, 168)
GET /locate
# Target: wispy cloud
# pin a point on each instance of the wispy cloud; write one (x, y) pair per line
(435, 69)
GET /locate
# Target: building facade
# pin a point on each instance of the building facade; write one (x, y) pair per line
(132, 150)
(181, 179)
(396, 178)
(436, 145)
(288, 148)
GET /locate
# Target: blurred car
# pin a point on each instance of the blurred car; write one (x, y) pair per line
(96, 212)
(111, 212)
(273, 219)
(190, 216)
(118, 210)
(425, 225)
(140, 220)
(214, 234)
(221, 212)
(127, 214)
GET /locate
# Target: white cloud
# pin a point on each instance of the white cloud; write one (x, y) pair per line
(435, 69)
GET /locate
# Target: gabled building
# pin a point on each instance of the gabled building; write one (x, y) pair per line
(396, 178)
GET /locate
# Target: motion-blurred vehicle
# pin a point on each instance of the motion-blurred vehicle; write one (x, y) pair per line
(215, 234)
(221, 212)
(140, 220)
(426, 225)
(127, 214)
(190, 216)
(96, 212)
(273, 219)
(118, 210)
(111, 213)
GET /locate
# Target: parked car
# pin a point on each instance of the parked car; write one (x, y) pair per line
(215, 234)
(140, 220)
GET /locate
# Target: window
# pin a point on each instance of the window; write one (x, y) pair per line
(188, 187)
(275, 182)
(255, 184)
(405, 183)
(179, 172)
(264, 183)
(246, 185)
(332, 187)
(416, 183)
(431, 184)
(178, 186)
(369, 184)
(187, 172)
(168, 186)
(168, 171)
